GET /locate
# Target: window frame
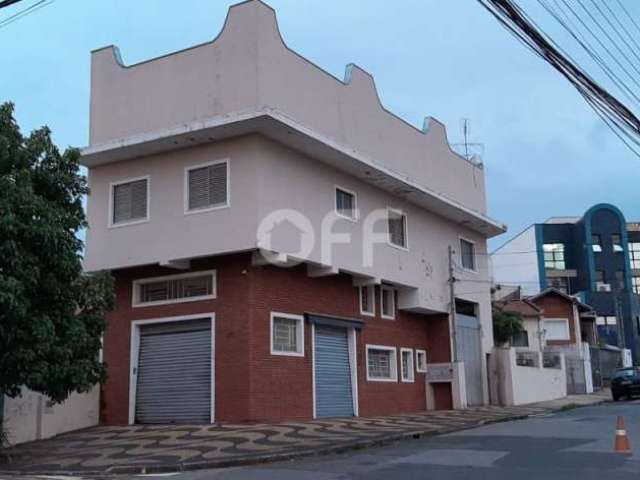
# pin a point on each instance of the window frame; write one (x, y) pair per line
(299, 334)
(210, 208)
(391, 289)
(356, 215)
(616, 247)
(135, 293)
(136, 221)
(554, 260)
(401, 212)
(565, 321)
(393, 363)
(635, 284)
(372, 291)
(411, 367)
(420, 369)
(474, 256)
(596, 247)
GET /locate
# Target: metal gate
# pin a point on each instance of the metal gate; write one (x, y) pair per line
(469, 350)
(576, 382)
(604, 363)
(174, 373)
(334, 397)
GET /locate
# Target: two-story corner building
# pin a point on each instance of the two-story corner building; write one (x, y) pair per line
(278, 238)
(596, 256)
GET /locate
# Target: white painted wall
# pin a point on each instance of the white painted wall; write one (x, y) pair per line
(516, 385)
(31, 417)
(267, 176)
(534, 331)
(516, 262)
(248, 68)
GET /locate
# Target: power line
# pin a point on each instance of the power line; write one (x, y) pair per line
(6, 3)
(615, 114)
(570, 27)
(629, 15)
(27, 11)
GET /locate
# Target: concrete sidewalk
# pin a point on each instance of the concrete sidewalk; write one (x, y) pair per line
(146, 449)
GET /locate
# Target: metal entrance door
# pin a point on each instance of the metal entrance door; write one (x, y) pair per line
(469, 350)
(174, 373)
(334, 397)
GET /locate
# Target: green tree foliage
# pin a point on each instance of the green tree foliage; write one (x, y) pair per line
(505, 326)
(52, 315)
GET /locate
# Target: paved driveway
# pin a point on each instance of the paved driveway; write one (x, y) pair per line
(130, 449)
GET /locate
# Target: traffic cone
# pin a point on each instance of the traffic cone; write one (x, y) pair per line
(622, 444)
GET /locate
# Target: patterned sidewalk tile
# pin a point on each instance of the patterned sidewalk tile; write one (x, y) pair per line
(112, 449)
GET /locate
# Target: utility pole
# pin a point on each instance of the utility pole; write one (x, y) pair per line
(452, 308)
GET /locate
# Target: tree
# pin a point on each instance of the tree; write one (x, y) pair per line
(52, 315)
(505, 326)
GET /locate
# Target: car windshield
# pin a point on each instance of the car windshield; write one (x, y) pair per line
(624, 373)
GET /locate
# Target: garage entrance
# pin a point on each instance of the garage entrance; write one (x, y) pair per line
(173, 376)
(469, 350)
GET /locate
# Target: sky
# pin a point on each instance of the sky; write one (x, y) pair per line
(545, 152)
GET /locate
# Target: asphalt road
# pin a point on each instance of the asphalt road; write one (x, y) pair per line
(576, 444)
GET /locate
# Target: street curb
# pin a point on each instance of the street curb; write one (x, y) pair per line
(292, 455)
(267, 458)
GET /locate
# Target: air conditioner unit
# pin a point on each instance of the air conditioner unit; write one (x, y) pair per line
(603, 287)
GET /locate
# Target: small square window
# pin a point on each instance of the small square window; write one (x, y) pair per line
(556, 328)
(600, 276)
(287, 334)
(421, 361)
(381, 364)
(387, 302)
(553, 256)
(406, 360)
(595, 243)
(635, 283)
(397, 227)
(367, 300)
(467, 254)
(620, 279)
(346, 204)
(616, 243)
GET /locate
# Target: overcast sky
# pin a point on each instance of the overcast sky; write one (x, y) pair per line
(545, 152)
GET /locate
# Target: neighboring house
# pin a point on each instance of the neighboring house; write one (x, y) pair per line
(532, 335)
(596, 257)
(199, 163)
(558, 335)
(567, 321)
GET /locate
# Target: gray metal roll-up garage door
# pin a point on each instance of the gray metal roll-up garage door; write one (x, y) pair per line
(174, 373)
(333, 373)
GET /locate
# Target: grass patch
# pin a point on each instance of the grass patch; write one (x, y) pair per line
(567, 407)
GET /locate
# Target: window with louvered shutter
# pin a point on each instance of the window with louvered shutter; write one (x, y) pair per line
(345, 203)
(397, 224)
(130, 201)
(207, 186)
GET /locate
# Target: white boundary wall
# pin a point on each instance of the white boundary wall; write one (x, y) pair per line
(31, 416)
(517, 385)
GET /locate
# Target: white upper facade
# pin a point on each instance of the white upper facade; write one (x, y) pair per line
(289, 134)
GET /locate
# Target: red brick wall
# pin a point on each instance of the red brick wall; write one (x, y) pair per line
(555, 306)
(232, 329)
(252, 384)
